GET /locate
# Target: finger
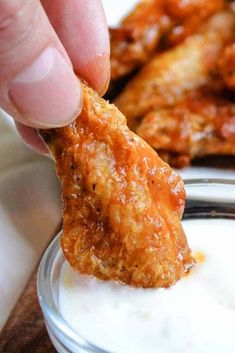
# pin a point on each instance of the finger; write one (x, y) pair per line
(31, 138)
(82, 28)
(37, 83)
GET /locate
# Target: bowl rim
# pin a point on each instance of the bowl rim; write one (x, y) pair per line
(53, 317)
(209, 181)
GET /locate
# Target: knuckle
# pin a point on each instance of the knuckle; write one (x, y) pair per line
(9, 11)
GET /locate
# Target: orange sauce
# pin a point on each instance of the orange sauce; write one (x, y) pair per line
(199, 257)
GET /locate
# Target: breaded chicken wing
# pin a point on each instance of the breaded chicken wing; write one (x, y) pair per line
(168, 77)
(133, 43)
(202, 124)
(137, 38)
(226, 66)
(122, 204)
(188, 16)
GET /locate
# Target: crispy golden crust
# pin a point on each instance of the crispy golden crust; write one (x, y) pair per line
(133, 43)
(137, 38)
(202, 124)
(182, 9)
(226, 66)
(188, 16)
(168, 77)
(122, 204)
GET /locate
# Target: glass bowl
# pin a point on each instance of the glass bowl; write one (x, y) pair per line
(206, 198)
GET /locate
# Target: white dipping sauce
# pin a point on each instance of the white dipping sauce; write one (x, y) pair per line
(197, 315)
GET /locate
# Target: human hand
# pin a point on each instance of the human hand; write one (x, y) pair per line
(41, 43)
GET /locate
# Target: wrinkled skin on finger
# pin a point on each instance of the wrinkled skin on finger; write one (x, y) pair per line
(40, 48)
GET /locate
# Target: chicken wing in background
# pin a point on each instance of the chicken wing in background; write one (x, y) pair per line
(226, 66)
(122, 205)
(140, 33)
(169, 76)
(202, 124)
(188, 16)
(138, 36)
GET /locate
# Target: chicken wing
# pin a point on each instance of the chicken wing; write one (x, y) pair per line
(169, 76)
(188, 16)
(137, 38)
(122, 204)
(226, 66)
(202, 124)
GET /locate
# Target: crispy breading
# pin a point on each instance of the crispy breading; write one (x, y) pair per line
(188, 16)
(169, 76)
(226, 66)
(122, 204)
(202, 124)
(133, 43)
(138, 36)
(135, 40)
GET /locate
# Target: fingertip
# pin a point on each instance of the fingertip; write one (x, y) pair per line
(97, 73)
(47, 93)
(31, 138)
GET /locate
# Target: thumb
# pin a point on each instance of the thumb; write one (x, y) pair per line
(37, 84)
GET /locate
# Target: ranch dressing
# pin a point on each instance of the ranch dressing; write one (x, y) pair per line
(197, 315)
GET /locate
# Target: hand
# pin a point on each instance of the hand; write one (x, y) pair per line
(41, 43)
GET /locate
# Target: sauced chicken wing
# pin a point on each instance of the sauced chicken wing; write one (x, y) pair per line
(188, 16)
(169, 76)
(226, 66)
(122, 204)
(137, 38)
(200, 125)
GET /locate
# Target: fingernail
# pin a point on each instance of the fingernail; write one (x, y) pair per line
(97, 73)
(47, 93)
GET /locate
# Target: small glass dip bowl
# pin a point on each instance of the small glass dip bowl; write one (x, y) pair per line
(206, 198)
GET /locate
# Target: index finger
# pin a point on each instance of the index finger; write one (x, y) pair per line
(82, 28)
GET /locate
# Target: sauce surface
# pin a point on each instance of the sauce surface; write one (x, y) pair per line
(197, 315)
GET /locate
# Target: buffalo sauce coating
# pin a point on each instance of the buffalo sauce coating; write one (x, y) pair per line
(138, 36)
(133, 43)
(122, 205)
(226, 66)
(170, 76)
(188, 16)
(201, 124)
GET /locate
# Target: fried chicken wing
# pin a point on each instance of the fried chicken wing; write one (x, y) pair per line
(226, 66)
(137, 38)
(169, 76)
(133, 43)
(122, 204)
(202, 124)
(188, 16)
